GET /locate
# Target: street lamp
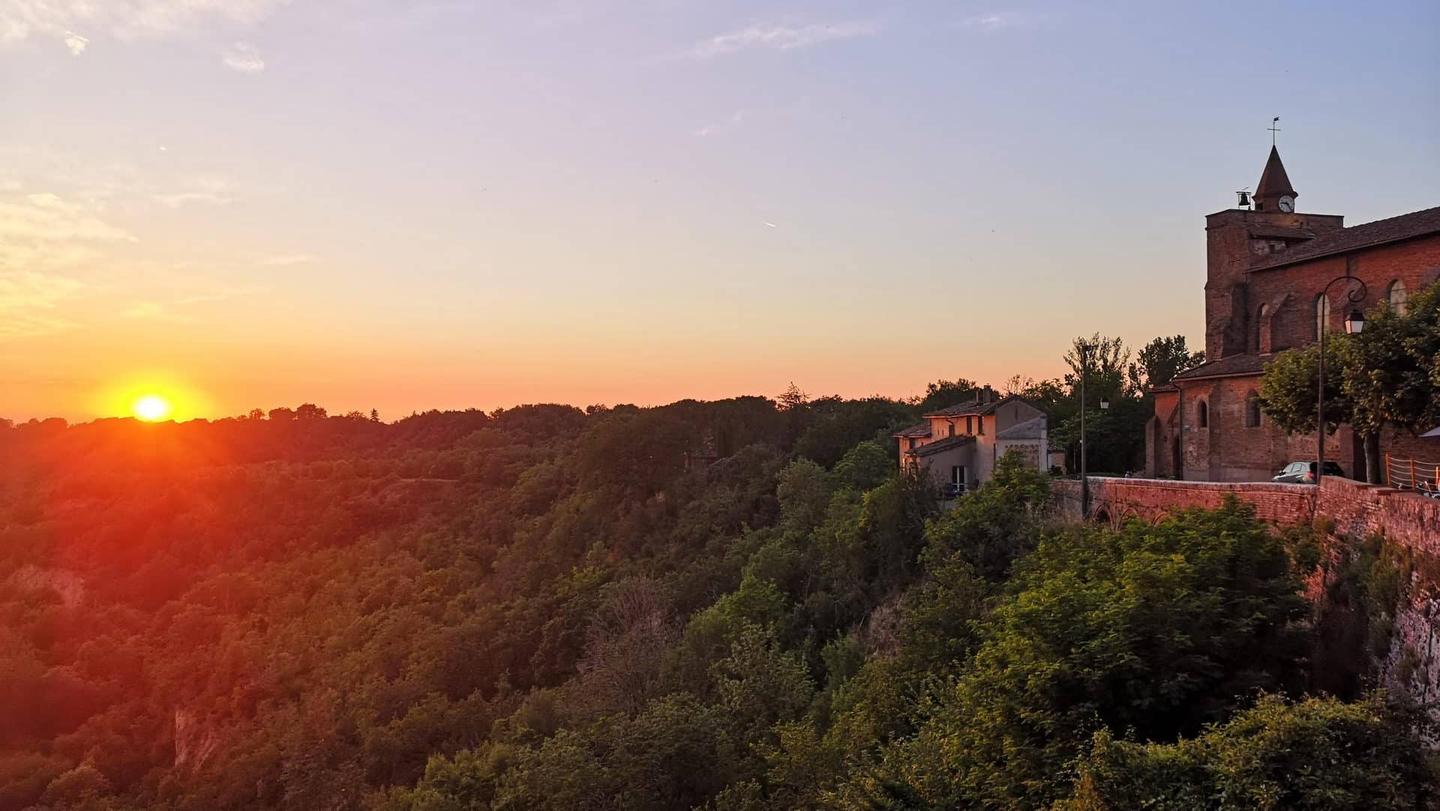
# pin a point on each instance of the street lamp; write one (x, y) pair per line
(1354, 325)
(1084, 467)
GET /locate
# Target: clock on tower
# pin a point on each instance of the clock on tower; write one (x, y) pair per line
(1275, 192)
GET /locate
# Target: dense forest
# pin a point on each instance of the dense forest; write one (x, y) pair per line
(729, 605)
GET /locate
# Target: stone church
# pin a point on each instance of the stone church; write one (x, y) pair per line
(1266, 271)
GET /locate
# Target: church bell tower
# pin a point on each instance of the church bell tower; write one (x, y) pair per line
(1238, 238)
(1275, 192)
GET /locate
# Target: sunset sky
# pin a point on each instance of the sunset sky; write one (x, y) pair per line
(412, 205)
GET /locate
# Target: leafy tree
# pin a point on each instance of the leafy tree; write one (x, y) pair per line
(1383, 376)
(1154, 631)
(835, 426)
(865, 466)
(1115, 434)
(804, 494)
(1106, 367)
(946, 393)
(1388, 371)
(309, 411)
(760, 684)
(792, 398)
(1159, 361)
(994, 526)
(1315, 754)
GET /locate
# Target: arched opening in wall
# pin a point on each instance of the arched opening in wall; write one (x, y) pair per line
(1202, 414)
(1252, 410)
(1102, 516)
(1262, 345)
(1397, 297)
(1322, 313)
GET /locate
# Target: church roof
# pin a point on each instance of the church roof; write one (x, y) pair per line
(1274, 183)
(1233, 366)
(1368, 235)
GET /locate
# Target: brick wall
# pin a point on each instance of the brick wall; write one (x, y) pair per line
(1117, 500)
(1290, 292)
(1361, 510)
(1231, 449)
(1357, 510)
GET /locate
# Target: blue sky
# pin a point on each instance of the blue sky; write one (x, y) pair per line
(443, 204)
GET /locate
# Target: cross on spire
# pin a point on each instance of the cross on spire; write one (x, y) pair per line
(1273, 129)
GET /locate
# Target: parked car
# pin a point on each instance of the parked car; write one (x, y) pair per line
(1304, 472)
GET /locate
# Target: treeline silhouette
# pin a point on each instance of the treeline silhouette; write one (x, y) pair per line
(739, 604)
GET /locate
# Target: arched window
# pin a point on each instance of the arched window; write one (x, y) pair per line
(1397, 297)
(1202, 414)
(1261, 345)
(1322, 314)
(1252, 410)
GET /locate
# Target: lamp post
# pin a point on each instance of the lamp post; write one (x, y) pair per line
(1354, 325)
(1084, 467)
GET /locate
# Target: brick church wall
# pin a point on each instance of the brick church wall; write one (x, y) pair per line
(1258, 312)
(1231, 450)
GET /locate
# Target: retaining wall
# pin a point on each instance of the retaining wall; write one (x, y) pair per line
(1357, 510)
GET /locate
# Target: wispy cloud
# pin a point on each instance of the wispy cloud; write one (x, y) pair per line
(43, 237)
(210, 191)
(27, 302)
(1001, 20)
(75, 23)
(46, 218)
(288, 260)
(782, 37)
(172, 310)
(244, 57)
(735, 120)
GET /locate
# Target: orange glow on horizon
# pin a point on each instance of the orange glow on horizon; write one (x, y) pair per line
(152, 408)
(151, 397)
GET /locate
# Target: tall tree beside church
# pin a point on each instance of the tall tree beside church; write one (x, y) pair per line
(1115, 434)
(1391, 368)
(1108, 361)
(1159, 362)
(1384, 375)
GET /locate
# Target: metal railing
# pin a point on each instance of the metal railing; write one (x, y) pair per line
(1413, 474)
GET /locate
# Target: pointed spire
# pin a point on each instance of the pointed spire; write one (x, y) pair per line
(1274, 184)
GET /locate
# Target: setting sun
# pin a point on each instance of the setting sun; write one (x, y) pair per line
(152, 408)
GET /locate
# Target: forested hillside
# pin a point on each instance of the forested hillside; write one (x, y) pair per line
(729, 605)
